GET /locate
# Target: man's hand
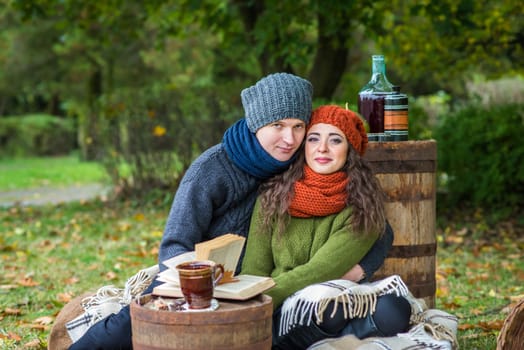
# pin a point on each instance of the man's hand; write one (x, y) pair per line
(356, 274)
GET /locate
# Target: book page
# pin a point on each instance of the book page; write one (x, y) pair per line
(227, 256)
(246, 287)
(179, 259)
(225, 250)
(203, 249)
(169, 276)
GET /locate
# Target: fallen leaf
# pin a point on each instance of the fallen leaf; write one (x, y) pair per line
(12, 312)
(44, 320)
(71, 280)
(93, 267)
(111, 275)
(157, 234)
(491, 325)
(451, 306)
(38, 327)
(11, 336)
(32, 344)
(139, 217)
(64, 297)
(466, 326)
(28, 282)
(454, 240)
(442, 291)
(124, 226)
(477, 311)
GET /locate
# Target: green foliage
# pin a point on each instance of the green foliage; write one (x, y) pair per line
(151, 139)
(78, 58)
(36, 135)
(458, 38)
(481, 155)
(424, 112)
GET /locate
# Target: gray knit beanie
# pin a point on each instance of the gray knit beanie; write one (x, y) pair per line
(275, 97)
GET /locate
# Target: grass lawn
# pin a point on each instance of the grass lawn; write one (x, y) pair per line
(24, 173)
(51, 254)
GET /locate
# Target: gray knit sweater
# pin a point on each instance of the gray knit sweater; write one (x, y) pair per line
(214, 197)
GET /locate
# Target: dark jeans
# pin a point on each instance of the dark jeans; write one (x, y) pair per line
(112, 333)
(391, 317)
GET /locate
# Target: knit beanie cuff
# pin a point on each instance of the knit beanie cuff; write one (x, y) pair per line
(275, 97)
(347, 121)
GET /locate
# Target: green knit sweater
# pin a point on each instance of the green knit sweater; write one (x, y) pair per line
(312, 250)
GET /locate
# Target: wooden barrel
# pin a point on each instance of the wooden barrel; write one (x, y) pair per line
(407, 172)
(511, 336)
(233, 326)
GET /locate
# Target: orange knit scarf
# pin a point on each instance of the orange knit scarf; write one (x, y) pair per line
(319, 195)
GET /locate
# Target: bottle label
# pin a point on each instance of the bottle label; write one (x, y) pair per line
(396, 117)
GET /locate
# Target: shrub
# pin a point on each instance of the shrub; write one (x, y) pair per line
(36, 135)
(481, 155)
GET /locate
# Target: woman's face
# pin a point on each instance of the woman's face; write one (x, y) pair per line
(326, 148)
(282, 138)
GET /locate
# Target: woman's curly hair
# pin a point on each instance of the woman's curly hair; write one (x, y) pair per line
(364, 195)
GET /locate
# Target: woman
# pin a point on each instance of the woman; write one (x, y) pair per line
(313, 222)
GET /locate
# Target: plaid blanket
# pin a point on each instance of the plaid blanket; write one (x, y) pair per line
(109, 300)
(357, 300)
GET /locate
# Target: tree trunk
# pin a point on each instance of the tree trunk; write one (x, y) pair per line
(330, 60)
(270, 61)
(88, 128)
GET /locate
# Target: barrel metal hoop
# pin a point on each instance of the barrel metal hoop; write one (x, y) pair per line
(412, 251)
(427, 289)
(404, 166)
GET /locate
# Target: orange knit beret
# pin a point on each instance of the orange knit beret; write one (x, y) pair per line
(344, 119)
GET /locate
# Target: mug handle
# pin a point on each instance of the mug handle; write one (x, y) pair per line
(218, 273)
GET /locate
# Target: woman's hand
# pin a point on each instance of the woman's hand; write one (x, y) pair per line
(356, 274)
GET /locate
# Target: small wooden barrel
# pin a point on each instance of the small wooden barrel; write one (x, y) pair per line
(511, 336)
(407, 172)
(233, 326)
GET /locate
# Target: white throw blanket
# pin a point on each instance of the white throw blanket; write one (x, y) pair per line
(357, 300)
(429, 328)
(109, 300)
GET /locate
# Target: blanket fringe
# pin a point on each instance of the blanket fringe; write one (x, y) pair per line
(109, 300)
(358, 300)
(429, 340)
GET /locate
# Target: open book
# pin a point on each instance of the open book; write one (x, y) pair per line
(224, 250)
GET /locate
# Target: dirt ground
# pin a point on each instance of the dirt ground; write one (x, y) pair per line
(52, 195)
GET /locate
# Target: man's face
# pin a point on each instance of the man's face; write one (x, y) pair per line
(282, 138)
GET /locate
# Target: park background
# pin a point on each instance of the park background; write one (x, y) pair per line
(128, 93)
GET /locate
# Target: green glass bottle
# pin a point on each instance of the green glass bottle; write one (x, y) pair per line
(371, 99)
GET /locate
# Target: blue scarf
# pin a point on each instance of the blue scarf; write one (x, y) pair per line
(245, 151)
